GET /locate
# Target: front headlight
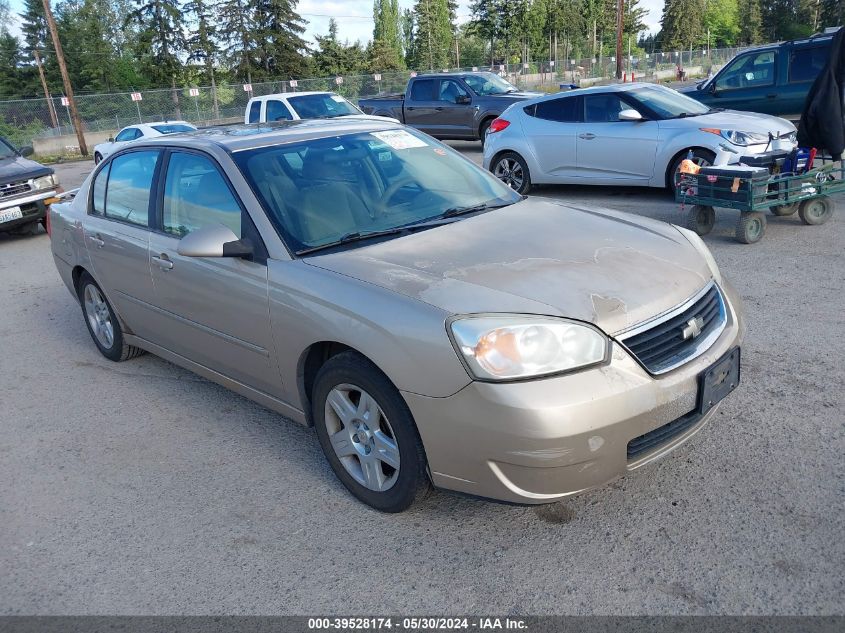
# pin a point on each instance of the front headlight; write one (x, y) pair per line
(511, 347)
(45, 182)
(738, 137)
(699, 245)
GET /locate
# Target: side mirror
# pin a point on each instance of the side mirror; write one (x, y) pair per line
(463, 99)
(630, 115)
(214, 241)
(26, 150)
(711, 87)
(111, 139)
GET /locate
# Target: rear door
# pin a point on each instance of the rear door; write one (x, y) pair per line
(748, 83)
(420, 105)
(611, 151)
(216, 308)
(117, 234)
(805, 63)
(551, 128)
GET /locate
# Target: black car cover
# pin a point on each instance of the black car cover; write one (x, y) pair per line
(822, 122)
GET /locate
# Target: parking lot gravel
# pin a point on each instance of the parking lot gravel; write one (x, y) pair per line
(140, 488)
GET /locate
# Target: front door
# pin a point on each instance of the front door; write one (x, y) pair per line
(611, 151)
(748, 83)
(117, 235)
(217, 307)
(455, 114)
(420, 106)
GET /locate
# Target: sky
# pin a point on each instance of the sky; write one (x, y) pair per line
(355, 21)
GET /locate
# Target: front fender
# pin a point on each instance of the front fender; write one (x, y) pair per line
(676, 141)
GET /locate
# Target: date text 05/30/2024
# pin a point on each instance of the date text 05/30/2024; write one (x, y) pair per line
(415, 624)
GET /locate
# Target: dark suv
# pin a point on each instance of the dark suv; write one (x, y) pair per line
(26, 189)
(772, 79)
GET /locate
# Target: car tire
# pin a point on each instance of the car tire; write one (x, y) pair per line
(782, 210)
(512, 170)
(368, 434)
(482, 132)
(701, 157)
(701, 219)
(102, 323)
(751, 227)
(815, 211)
(98, 158)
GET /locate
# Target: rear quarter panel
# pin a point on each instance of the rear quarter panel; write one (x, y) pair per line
(67, 240)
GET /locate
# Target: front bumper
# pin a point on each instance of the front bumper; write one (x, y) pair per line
(541, 440)
(33, 208)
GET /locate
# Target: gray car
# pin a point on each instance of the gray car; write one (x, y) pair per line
(433, 325)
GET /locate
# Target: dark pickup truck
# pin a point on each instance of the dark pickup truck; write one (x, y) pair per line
(26, 190)
(449, 105)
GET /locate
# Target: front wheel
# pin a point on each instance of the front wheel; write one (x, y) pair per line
(751, 227)
(816, 210)
(701, 219)
(511, 169)
(701, 157)
(97, 158)
(368, 434)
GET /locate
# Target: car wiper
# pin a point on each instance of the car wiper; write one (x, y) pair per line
(355, 236)
(451, 212)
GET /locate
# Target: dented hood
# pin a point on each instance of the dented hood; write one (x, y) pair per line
(540, 257)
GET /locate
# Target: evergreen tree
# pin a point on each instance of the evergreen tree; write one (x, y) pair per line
(201, 44)
(406, 23)
(386, 48)
(10, 61)
(433, 34)
(278, 31)
(333, 57)
(237, 39)
(487, 22)
(34, 30)
(832, 13)
(750, 22)
(682, 24)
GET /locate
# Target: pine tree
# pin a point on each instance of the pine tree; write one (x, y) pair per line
(433, 35)
(682, 24)
(278, 31)
(333, 57)
(487, 22)
(201, 44)
(34, 30)
(832, 14)
(750, 22)
(235, 24)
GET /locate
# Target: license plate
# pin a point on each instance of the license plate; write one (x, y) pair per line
(719, 380)
(7, 215)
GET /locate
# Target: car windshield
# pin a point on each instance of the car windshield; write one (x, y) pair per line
(322, 106)
(667, 103)
(173, 128)
(489, 84)
(5, 150)
(344, 188)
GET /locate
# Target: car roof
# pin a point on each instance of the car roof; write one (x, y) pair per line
(288, 95)
(453, 74)
(592, 90)
(242, 136)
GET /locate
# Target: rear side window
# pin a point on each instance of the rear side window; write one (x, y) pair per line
(277, 111)
(196, 195)
(564, 110)
(128, 191)
(422, 90)
(806, 63)
(255, 112)
(98, 199)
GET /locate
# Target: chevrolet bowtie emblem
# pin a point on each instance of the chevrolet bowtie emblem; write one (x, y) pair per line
(693, 328)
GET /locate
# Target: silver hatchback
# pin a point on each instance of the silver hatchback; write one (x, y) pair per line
(433, 325)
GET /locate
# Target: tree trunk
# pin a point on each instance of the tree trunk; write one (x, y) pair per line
(174, 93)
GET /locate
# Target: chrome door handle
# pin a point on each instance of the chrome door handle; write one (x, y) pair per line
(97, 241)
(163, 262)
(439, 109)
(589, 136)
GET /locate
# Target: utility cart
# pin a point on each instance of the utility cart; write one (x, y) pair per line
(754, 190)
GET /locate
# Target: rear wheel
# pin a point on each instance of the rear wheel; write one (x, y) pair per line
(784, 209)
(751, 227)
(701, 157)
(368, 434)
(701, 219)
(482, 132)
(511, 169)
(102, 322)
(816, 210)
(97, 158)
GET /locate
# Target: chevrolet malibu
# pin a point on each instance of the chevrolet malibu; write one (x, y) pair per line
(626, 134)
(435, 327)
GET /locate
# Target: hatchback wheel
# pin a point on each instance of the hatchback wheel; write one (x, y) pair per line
(368, 435)
(511, 169)
(701, 157)
(102, 322)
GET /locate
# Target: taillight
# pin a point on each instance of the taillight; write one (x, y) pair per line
(498, 125)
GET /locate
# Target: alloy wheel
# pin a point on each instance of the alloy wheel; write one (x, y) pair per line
(510, 172)
(98, 315)
(362, 437)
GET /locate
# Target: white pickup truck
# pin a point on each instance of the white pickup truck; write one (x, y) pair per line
(26, 190)
(293, 106)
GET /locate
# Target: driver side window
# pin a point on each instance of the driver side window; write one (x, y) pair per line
(128, 134)
(450, 91)
(753, 69)
(603, 108)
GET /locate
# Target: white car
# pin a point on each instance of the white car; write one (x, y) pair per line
(293, 106)
(627, 134)
(139, 131)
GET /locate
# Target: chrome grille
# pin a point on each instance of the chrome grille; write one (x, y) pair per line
(681, 335)
(14, 189)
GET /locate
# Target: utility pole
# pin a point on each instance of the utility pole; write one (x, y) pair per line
(53, 116)
(60, 57)
(620, 7)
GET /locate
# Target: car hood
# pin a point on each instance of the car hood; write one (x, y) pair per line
(19, 168)
(516, 96)
(539, 257)
(733, 120)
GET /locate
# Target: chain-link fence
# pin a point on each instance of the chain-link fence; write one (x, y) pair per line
(24, 120)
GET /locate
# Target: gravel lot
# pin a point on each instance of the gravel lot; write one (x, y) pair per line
(140, 488)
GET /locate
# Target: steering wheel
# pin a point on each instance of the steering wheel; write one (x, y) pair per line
(392, 191)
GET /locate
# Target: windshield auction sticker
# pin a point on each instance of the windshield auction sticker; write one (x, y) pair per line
(399, 139)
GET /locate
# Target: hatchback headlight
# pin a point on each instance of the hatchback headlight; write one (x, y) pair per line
(738, 137)
(45, 182)
(699, 245)
(512, 347)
